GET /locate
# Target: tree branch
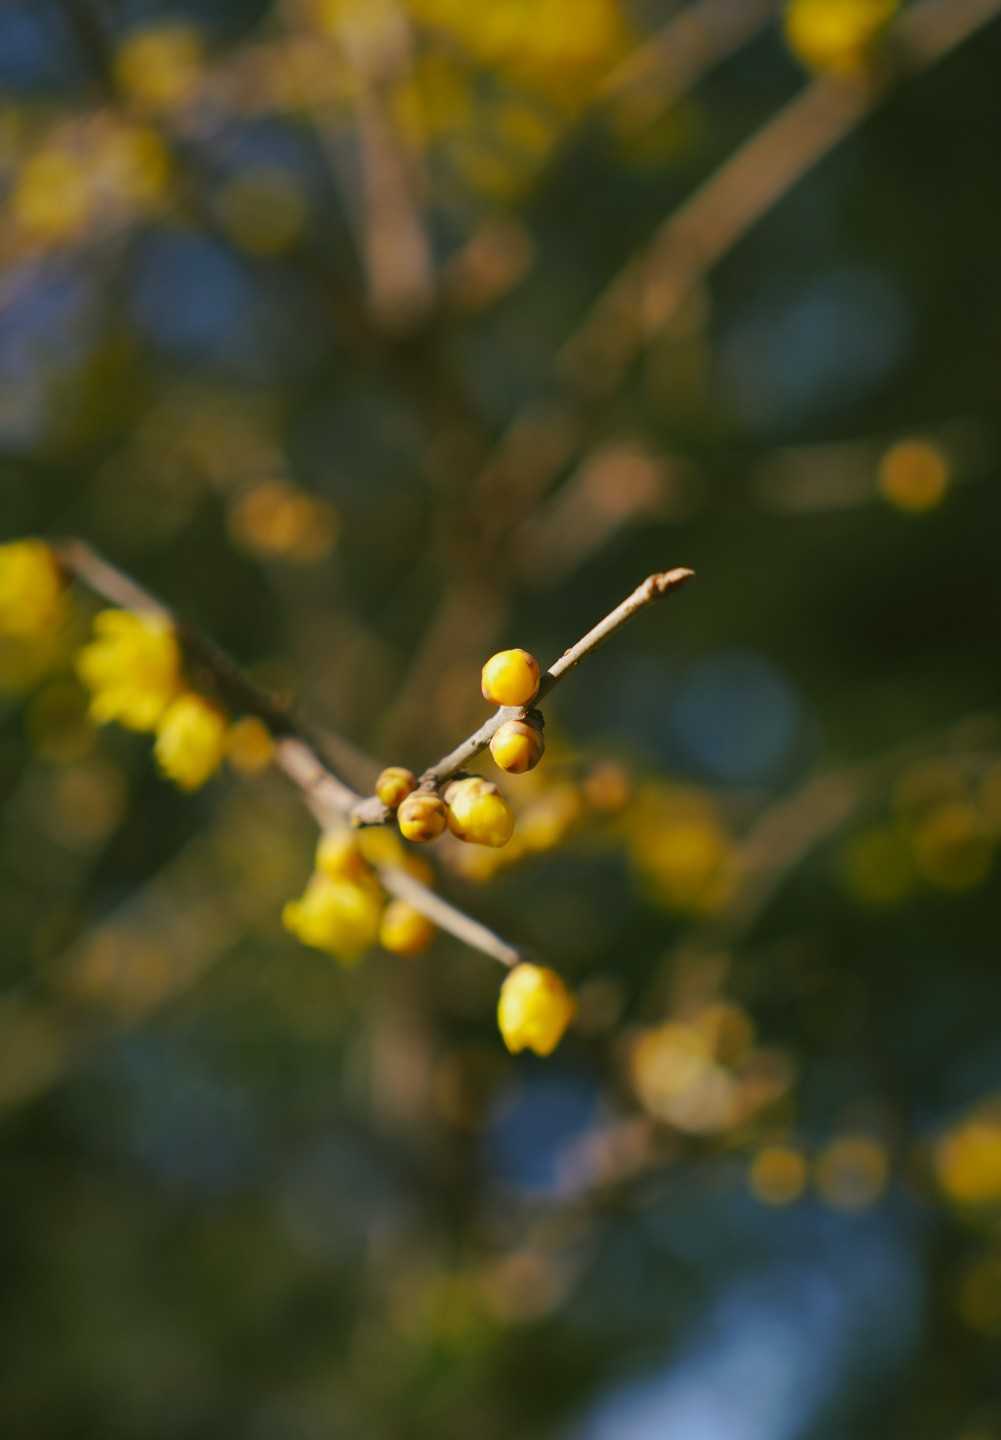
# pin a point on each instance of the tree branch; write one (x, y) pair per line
(447, 917)
(373, 812)
(300, 759)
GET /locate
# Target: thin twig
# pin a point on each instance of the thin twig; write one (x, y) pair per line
(673, 61)
(373, 812)
(447, 917)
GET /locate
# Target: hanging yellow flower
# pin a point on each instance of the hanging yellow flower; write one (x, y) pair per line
(132, 668)
(534, 1009)
(337, 916)
(31, 589)
(190, 741)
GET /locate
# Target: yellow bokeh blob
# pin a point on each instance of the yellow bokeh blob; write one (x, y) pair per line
(914, 475)
(836, 36)
(52, 199)
(160, 68)
(778, 1175)
(967, 1159)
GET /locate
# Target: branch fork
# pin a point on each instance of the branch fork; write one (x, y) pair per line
(301, 758)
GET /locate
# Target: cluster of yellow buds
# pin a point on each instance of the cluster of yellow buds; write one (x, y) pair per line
(343, 910)
(535, 1005)
(133, 669)
(471, 807)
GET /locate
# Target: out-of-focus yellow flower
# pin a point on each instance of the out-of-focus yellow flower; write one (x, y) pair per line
(681, 850)
(336, 916)
(836, 35)
(160, 67)
(556, 48)
(778, 1175)
(250, 746)
(547, 821)
(339, 857)
(968, 1158)
(534, 1009)
(132, 668)
(190, 741)
(131, 163)
(679, 1079)
(851, 1172)
(31, 589)
(404, 930)
(704, 1074)
(52, 197)
(276, 518)
(914, 475)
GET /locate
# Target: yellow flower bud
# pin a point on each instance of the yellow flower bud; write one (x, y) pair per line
(335, 916)
(517, 746)
(534, 1009)
(836, 35)
(422, 817)
(190, 741)
(511, 677)
(394, 785)
(404, 930)
(250, 746)
(31, 589)
(478, 812)
(132, 668)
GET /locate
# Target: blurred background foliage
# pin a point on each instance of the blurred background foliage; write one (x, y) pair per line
(285, 302)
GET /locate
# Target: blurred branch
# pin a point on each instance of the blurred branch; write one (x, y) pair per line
(649, 291)
(695, 237)
(516, 471)
(673, 61)
(373, 812)
(394, 242)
